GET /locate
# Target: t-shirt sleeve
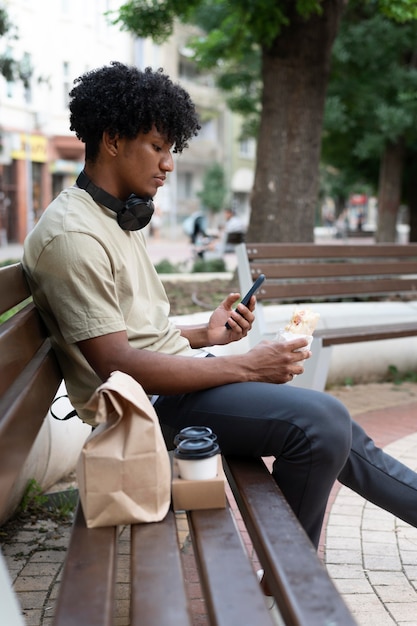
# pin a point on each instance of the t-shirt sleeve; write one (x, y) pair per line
(75, 278)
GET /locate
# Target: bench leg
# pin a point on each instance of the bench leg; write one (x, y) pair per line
(245, 283)
(316, 368)
(10, 608)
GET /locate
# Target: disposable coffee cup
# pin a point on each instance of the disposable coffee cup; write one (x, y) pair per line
(197, 458)
(194, 432)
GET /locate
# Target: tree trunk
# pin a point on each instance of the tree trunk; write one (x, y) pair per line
(412, 197)
(389, 191)
(295, 73)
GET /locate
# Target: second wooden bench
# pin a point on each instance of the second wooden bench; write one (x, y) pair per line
(309, 273)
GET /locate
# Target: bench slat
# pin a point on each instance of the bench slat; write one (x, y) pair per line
(20, 338)
(317, 269)
(340, 288)
(303, 590)
(231, 590)
(316, 251)
(334, 336)
(13, 286)
(87, 587)
(159, 595)
(30, 395)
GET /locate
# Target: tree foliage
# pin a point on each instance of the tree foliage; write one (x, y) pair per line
(249, 45)
(11, 68)
(214, 190)
(399, 10)
(273, 58)
(371, 106)
(231, 21)
(234, 33)
(372, 95)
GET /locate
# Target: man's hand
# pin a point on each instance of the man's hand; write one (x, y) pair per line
(240, 321)
(276, 361)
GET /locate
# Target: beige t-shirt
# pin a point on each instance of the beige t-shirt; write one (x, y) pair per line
(90, 278)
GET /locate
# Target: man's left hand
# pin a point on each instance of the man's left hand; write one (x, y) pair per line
(240, 320)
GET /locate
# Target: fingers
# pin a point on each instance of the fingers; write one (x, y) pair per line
(239, 323)
(241, 318)
(281, 361)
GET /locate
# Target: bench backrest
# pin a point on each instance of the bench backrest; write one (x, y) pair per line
(306, 272)
(29, 376)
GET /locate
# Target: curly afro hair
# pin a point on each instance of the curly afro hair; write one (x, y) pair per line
(125, 101)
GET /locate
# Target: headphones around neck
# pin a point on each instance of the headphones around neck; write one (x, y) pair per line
(133, 214)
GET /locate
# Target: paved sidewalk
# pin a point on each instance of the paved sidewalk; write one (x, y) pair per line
(370, 554)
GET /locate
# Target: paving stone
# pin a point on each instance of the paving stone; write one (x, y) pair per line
(382, 537)
(396, 593)
(40, 569)
(402, 611)
(388, 578)
(49, 556)
(31, 600)
(33, 583)
(33, 617)
(341, 542)
(353, 585)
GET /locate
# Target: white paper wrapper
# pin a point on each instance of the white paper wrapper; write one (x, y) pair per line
(285, 335)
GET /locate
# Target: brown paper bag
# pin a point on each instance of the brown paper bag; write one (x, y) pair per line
(124, 471)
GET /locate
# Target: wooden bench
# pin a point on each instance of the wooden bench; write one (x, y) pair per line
(29, 379)
(311, 273)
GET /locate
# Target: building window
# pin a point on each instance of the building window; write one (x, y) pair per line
(26, 74)
(185, 185)
(208, 131)
(187, 70)
(247, 148)
(66, 82)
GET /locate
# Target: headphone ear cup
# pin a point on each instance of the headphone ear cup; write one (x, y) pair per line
(136, 213)
(133, 214)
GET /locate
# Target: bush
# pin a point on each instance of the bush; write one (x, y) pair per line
(8, 262)
(210, 265)
(166, 267)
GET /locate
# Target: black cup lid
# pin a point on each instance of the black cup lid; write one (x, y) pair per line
(194, 432)
(194, 449)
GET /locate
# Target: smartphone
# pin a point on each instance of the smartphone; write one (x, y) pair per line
(245, 300)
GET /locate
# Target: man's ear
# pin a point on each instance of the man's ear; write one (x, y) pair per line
(110, 143)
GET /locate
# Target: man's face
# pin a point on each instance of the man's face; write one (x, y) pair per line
(143, 163)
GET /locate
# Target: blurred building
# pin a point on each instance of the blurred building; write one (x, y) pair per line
(61, 39)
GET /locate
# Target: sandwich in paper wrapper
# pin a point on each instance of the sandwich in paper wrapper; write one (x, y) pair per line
(303, 322)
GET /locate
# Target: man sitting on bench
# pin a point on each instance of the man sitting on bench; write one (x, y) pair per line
(106, 310)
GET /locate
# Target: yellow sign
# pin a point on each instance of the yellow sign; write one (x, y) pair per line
(31, 147)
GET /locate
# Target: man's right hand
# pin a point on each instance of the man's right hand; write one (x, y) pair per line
(276, 361)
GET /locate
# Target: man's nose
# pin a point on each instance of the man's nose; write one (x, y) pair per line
(167, 163)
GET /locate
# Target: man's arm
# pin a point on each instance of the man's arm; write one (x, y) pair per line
(169, 374)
